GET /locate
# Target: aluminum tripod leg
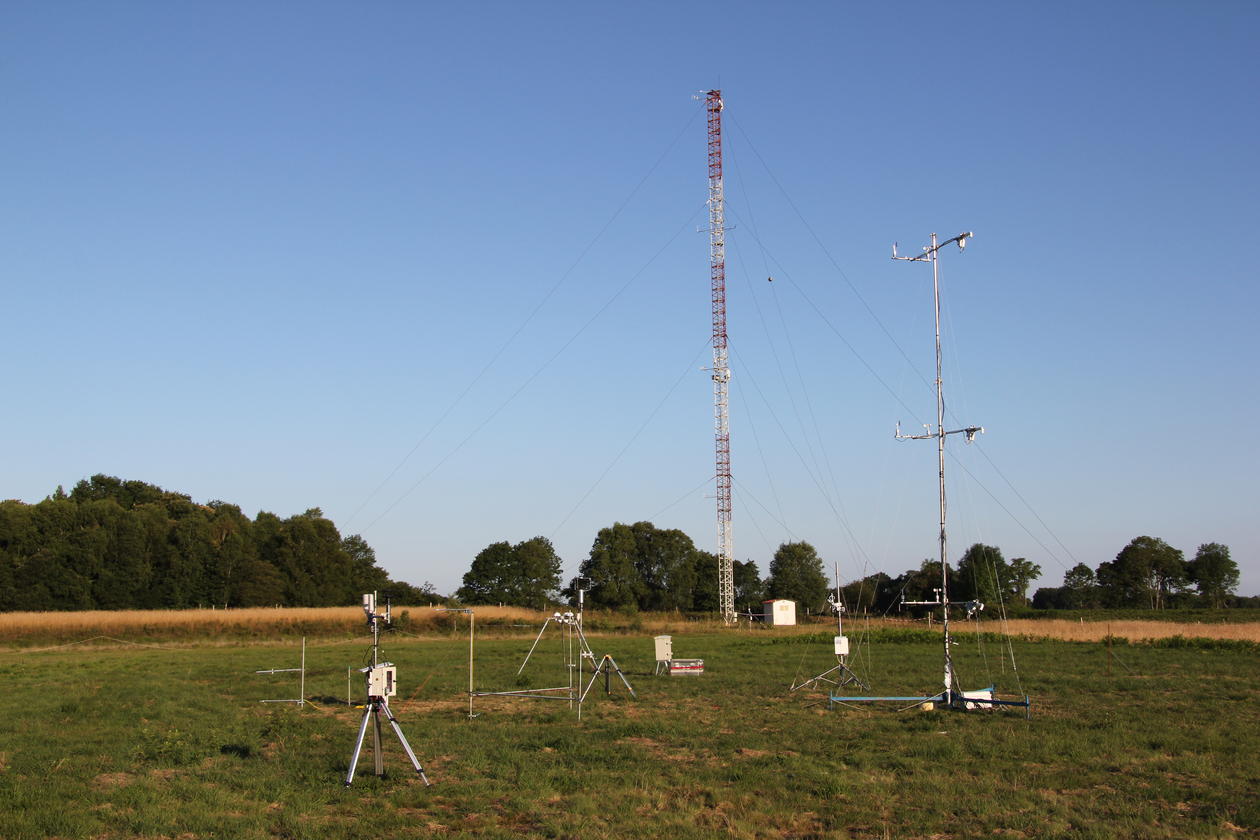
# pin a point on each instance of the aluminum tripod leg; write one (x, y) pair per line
(844, 677)
(531, 647)
(378, 757)
(603, 668)
(393, 721)
(358, 745)
(617, 668)
(373, 713)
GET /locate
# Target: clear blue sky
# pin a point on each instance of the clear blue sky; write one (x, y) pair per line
(257, 251)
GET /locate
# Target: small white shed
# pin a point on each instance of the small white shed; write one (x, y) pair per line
(779, 611)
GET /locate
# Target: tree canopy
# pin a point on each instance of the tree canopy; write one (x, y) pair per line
(1148, 573)
(796, 572)
(526, 574)
(1213, 573)
(642, 567)
(115, 544)
(122, 544)
(984, 575)
(1144, 574)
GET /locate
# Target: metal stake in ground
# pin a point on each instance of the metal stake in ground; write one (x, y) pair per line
(301, 698)
(382, 683)
(472, 625)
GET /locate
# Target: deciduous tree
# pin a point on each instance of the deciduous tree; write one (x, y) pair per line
(750, 589)
(118, 544)
(1080, 587)
(796, 572)
(491, 576)
(666, 563)
(1022, 573)
(538, 573)
(1213, 573)
(704, 597)
(983, 575)
(1144, 574)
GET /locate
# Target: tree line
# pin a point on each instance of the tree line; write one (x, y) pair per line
(1150, 574)
(983, 574)
(1146, 574)
(640, 567)
(113, 544)
(637, 567)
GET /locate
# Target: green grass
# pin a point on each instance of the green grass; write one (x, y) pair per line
(172, 742)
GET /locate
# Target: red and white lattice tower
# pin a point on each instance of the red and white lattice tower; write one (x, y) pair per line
(721, 372)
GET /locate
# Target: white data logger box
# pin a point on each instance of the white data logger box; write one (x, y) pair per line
(664, 648)
(382, 680)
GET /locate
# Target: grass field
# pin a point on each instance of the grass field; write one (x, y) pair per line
(109, 740)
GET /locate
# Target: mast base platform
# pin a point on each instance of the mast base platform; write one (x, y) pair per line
(985, 698)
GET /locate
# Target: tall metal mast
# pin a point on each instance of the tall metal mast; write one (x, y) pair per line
(951, 697)
(721, 371)
(942, 599)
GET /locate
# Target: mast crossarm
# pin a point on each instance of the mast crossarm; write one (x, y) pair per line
(928, 436)
(970, 432)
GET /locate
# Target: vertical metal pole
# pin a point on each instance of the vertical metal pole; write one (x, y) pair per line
(302, 679)
(940, 460)
(940, 434)
(376, 637)
(472, 626)
(839, 611)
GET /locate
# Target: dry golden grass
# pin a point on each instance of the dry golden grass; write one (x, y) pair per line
(1135, 631)
(123, 620)
(1061, 629)
(187, 625)
(253, 620)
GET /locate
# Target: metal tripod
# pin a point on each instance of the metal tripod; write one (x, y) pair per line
(372, 713)
(607, 666)
(843, 674)
(382, 682)
(577, 658)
